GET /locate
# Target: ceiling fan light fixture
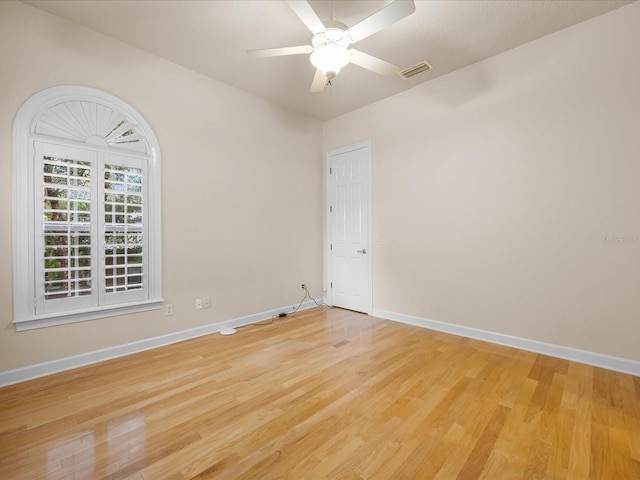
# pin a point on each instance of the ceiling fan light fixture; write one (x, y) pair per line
(330, 59)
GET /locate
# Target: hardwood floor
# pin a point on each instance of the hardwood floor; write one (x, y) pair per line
(324, 394)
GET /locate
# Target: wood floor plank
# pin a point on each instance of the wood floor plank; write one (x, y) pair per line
(325, 393)
(482, 449)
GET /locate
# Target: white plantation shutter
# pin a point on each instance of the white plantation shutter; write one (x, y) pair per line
(86, 209)
(67, 228)
(65, 241)
(92, 250)
(124, 229)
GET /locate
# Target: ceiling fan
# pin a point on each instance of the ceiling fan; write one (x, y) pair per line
(330, 42)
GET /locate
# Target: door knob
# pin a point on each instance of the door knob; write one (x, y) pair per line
(364, 250)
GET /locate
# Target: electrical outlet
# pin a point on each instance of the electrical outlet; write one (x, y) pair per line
(168, 309)
(198, 304)
(206, 302)
(303, 286)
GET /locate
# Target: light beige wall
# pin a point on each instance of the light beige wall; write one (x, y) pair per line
(242, 200)
(494, 186)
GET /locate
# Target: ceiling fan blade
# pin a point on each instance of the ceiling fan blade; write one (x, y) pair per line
(319, 82)
(278, 52)
(373, 63)
(381, 19)
(307, 15)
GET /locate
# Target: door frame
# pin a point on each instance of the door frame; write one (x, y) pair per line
(329, 233)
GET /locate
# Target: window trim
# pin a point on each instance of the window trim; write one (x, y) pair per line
(23, 178)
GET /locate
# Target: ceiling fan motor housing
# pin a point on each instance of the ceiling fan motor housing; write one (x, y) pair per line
(331, 50)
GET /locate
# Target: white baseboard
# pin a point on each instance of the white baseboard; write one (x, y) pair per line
(617, 364)
(30, 372)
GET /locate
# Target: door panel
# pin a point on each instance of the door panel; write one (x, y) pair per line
(348, 227)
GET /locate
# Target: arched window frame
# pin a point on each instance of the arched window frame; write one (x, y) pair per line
(26, 133)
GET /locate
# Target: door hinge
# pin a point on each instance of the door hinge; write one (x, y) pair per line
(330, 170)
(331, 246)
(330, 209)
(331, 284)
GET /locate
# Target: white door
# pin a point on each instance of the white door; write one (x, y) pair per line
(348, 227)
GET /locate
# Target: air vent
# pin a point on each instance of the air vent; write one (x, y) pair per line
(416, 69)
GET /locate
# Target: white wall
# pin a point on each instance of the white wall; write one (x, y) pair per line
(231, 163)
(494, 186)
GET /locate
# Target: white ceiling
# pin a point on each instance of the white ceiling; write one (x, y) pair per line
(211, 37)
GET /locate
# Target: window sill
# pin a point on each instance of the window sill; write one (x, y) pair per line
(62, 318)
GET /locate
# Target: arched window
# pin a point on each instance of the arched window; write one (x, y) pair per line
(86, 211)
